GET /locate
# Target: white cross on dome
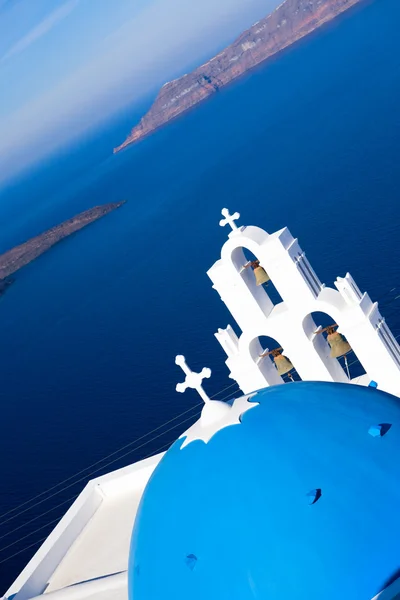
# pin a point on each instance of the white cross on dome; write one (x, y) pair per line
(192, 380)
(215, 414)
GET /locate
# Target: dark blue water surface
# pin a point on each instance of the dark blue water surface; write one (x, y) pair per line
(90, 330)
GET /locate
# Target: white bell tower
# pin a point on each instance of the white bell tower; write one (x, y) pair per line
(290, 321)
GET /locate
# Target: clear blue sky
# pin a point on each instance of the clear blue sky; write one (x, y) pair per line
(67, 65)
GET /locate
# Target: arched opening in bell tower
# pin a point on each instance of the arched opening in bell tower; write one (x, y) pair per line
(329, 343)
(253, 273)
(265, 348)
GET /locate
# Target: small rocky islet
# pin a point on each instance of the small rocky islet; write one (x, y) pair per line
(13, 260)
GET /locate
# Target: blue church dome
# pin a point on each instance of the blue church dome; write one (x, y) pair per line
(300, 501)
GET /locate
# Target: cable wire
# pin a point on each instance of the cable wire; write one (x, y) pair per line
(93, 465)
(38, 517)
(160, 449)
(30, 533)
(23, 550)
(224, 390)
(12, 510)
(98, 469)
(104, 458)
(229, 396)
(89, 475)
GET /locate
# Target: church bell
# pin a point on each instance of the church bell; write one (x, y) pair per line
(261, 275)
(283, 364)
(339, 346)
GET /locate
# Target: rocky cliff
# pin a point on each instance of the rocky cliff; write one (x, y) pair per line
(292, 20)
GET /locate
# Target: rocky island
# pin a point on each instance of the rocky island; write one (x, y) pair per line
(21, 255)
(291, 21)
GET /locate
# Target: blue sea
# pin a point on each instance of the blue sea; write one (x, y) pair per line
(90, 330)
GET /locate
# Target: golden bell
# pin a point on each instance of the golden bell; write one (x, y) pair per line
(339, 346)
(282, 364)
(261, 275)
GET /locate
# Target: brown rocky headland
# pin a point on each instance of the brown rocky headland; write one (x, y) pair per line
(289, 22)
(18, 257)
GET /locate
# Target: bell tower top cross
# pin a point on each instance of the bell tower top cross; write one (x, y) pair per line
(229, 219)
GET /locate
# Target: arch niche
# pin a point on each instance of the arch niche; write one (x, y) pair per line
(268, 363)
(316, 326)
(244, 261)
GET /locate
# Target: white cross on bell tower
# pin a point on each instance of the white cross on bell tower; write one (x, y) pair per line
(229, 219)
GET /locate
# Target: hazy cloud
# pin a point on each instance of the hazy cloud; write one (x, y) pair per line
(41, 29)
